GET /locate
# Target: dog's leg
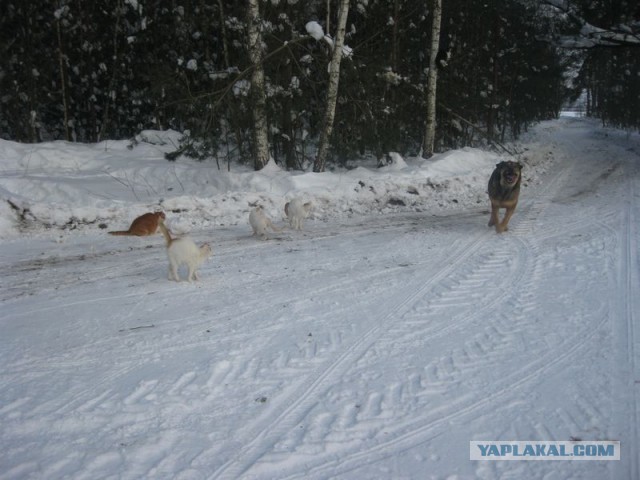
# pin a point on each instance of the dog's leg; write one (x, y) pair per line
(504, 225)
(493, 220)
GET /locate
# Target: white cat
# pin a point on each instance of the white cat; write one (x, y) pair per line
(296, 212)
(183, 251)
(260, 223)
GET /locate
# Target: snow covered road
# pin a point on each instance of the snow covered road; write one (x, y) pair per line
(375, 347)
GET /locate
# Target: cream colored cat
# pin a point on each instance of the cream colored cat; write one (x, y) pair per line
(260, 223)
(296, 212)
(144, 225)
(183, 251)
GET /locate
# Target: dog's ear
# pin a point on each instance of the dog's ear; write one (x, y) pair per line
(520, 166)
(499, 164)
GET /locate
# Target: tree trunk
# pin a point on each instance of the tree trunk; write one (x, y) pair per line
(432, 80)
(288, 132)
(233, 112)
(258, 95)
(63, 83)
(111, 92)
(492, 113)
(394, 36)
(332, 91)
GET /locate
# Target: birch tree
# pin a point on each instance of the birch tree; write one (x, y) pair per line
(432, 80)
(63, 76)
(258, 95)
(332, 90)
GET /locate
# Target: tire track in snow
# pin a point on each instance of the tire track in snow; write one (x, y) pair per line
(403, 437)
(626, 333)
(119, 344)
(478, 350)
(74, 357)
(296, 406)
(424, 427)
(177, 291)
(53, 273)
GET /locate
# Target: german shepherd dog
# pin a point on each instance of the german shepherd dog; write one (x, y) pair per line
(504, 189)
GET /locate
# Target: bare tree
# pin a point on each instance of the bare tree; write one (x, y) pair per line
(432, 80)
(258, 95)
(332, 90)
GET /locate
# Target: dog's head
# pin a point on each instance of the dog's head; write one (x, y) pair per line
(509, 173)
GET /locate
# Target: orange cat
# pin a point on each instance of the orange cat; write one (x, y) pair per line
(146, 224)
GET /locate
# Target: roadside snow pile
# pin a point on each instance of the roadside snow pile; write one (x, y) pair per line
(62, 185)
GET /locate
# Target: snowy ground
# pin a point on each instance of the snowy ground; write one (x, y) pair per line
(373, 345)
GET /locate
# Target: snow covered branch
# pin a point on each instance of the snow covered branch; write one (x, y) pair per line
(591, 36)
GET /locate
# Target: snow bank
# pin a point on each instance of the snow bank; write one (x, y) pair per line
(69, 186)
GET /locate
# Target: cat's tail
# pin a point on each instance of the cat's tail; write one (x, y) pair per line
(273, 227)
(121, 232)
(165, 233)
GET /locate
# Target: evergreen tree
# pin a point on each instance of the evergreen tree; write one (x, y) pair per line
(87, 71)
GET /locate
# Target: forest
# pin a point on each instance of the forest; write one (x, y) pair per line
(88, 71)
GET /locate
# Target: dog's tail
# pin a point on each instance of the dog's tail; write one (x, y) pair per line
(121, 232)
